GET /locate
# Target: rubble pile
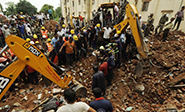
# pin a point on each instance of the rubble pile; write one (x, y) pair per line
(160, 88)
(51, 24)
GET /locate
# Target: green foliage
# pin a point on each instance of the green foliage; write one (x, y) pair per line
(11, 9)
(25, 7)
(45, 8)
(58, 11)
(1, 7)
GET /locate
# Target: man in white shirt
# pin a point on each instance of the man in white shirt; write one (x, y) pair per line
(72, 106)
(106, 35)
(167, 28)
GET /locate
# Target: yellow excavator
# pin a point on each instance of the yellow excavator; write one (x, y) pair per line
(132, 20)
(28, 54)
(128, 16)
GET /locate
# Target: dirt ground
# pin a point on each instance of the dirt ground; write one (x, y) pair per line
(151, 91)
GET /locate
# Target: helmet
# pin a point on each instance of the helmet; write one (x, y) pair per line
(21, 12)
(43, 28)
(63, 25)
(102, 48)
(31, 42)
(72, 31)
(22, 17)
(28, 40)
(36, 42)
(98, 25)
(49, 40)
(75, 37)
(118, 32)
(35, 36)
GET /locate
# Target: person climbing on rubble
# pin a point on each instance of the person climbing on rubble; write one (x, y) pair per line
(100, 104)
(179, 17)
(149, 26)
(72, 105)
(98, 79)
(161, 24)
(167, 28)
(70, 49)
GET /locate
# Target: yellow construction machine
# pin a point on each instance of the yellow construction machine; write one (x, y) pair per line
(28, 54)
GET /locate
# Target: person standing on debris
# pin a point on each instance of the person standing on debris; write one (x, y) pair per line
(70, 48)
(22, 30)
(116, 10)
(61, 55)
(149, 25)
(50, 13)
(104, 68)
(72, 106)
(106, 35)
(167, 28)
(98, 79)
(32, 75)
(98, 29)
(161, 24)
(179, 17)
(100, 104)
(53, 41)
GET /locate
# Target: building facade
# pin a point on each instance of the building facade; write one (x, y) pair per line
(158, 8)
(81, 7)
(145, 7)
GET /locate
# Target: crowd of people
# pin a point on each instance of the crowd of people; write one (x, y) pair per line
(67, 45)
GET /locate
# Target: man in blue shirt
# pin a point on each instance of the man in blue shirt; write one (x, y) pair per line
(22, 30)
(53, 42)
(50, 13)
(61, 55)
(100, 104)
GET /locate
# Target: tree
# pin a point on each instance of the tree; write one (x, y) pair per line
(58, 11)
(11, 8)
(1, 7)
(25, 7)
(45, 8)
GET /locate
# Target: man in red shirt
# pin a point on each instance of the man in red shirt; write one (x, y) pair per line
(32, 75)
(104, 68)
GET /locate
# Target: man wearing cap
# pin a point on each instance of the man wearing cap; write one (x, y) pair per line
(98, 29)
(6, 31)
(44, 32)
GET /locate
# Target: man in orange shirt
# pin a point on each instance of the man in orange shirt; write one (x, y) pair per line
(70, 48)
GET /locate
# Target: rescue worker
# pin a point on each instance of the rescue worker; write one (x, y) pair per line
(28, 39)
(48, 44)
(149, 25)
(44, 32)
(63, 29)
(161, 24)
(35, 38)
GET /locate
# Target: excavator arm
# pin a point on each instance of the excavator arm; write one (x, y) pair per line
(27, 54)
(132, 20)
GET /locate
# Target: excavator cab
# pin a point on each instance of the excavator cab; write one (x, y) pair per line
(102, 10)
